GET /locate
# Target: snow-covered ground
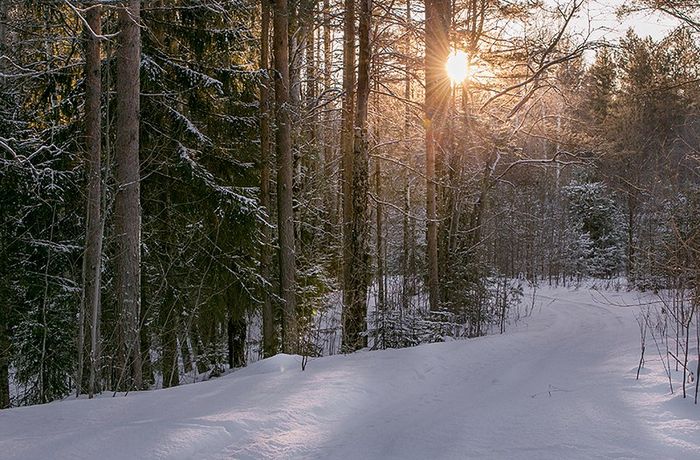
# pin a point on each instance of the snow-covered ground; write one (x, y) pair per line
(560, 385)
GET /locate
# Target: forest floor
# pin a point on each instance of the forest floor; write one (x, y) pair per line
(559, 385)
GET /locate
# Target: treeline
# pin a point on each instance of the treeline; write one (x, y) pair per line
(627, 208)
(186, 185)
(87, 257)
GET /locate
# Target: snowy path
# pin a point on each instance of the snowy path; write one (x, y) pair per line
(559, 386)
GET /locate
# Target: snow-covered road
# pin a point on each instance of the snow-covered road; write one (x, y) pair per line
(560, 385)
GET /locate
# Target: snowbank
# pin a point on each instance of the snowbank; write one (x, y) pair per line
(559, 385)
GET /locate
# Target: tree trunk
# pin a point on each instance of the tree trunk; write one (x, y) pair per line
(437, 93)
(347, 140)
(4, 360)
(631, 262)
(268, 316)
(4, 333)
(89, 325)
(285, 171)
(311, 79)
(381, 293)
(183, 340)
(331, 195)
(357, 265)
(168, 338)
(4, 38)
(200, 352)
(5, 308)
(127, 213)
(408, 236)
(236, 329)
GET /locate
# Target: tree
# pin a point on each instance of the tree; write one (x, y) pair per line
(285, 174)
(598, 227)
(347, 148)
(437, 93)
(269, 329)
(90, 309)
(127, 203)
(4, 310)
(357, 259)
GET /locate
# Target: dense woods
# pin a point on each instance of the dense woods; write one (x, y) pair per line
(190, 185)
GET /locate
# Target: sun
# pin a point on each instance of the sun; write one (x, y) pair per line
(457, 66)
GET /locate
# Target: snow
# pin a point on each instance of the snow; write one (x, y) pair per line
(561, 384)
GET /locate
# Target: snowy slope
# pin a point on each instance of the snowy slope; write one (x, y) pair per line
(560, 385)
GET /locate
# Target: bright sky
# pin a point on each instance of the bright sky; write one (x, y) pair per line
(605, 23)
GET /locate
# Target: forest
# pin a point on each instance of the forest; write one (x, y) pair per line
(191, 186)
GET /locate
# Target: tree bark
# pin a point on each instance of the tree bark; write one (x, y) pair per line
(357, 263)
(236, 329)
(381, 292)
(89, 325)
(127, 215)
(168, 338)
(331, 189)
(311, 77)
(269, 334)
(4, 37)
(437, 93)
(4, 360)
(408, 258)
(285, 171)
(347, 140)
(5, 309)
(631, 256)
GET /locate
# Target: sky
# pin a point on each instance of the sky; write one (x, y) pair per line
(606, 25)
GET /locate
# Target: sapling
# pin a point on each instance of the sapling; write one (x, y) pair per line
(642, 321)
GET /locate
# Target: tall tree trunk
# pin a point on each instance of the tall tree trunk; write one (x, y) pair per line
(285, 172)
(4, 38)
(357, 265)
(408, 235)
(5, 306)
(331, 186)
(347, 140)
(4, 358)
(381, 293)
(89, 326)
(169, 305)
(168, 338)
(127, 214)
(437, 93)
(4, 333)
(269, 334)
(311, 77)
